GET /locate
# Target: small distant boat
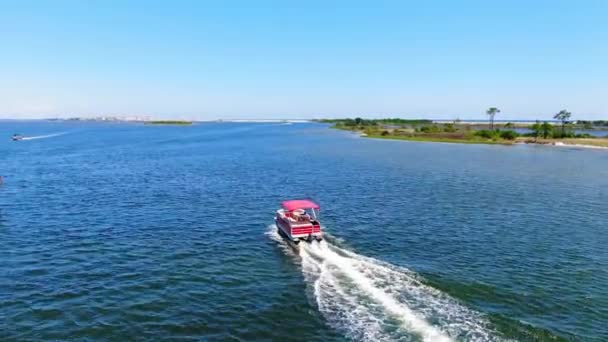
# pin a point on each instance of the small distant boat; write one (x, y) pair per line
(17, 137)
(297, 221)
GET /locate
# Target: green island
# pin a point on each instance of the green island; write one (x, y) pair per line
(560, 132)
(168, 122)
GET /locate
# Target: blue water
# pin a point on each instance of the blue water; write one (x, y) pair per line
(134, 232)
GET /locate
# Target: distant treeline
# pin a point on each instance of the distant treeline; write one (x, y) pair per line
(456, 131)
(374, 122)
(594, 123)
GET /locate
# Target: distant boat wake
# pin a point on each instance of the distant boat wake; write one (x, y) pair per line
(44, 136)
(369, 300)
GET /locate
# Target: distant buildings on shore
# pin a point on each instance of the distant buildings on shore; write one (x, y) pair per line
(133, 118)
(144, 119)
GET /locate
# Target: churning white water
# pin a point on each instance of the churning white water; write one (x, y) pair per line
(370, 300)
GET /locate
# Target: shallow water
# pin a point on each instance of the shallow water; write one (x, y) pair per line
(120, 231)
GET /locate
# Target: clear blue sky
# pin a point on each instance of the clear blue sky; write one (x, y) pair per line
(288, 59)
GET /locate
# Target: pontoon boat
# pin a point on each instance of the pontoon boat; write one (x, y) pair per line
(297, 220)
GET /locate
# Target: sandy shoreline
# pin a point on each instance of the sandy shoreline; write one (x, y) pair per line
(577, 146)
(447, 141)
(572, 143)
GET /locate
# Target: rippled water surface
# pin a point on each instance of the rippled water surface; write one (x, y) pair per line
(133, 232)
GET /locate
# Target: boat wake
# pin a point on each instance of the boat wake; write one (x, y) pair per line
(370, 300)
(44, 136)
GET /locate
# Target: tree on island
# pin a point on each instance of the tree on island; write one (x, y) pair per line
(546, 129)
(492, 111)
(536, 129)
(563, 116)
(543, 130)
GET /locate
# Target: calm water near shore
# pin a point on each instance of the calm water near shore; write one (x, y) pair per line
(133, 232)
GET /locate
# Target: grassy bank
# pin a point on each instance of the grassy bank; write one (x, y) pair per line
(422, 130)
(463, 133)
(440, 139)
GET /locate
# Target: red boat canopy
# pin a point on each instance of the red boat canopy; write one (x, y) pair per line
(299, 204)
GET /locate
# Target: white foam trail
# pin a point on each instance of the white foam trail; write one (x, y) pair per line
(345, 265)
(44, 136)
(370, 300)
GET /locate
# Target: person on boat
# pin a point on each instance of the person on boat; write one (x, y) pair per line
(305, 217)
(301, 215)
